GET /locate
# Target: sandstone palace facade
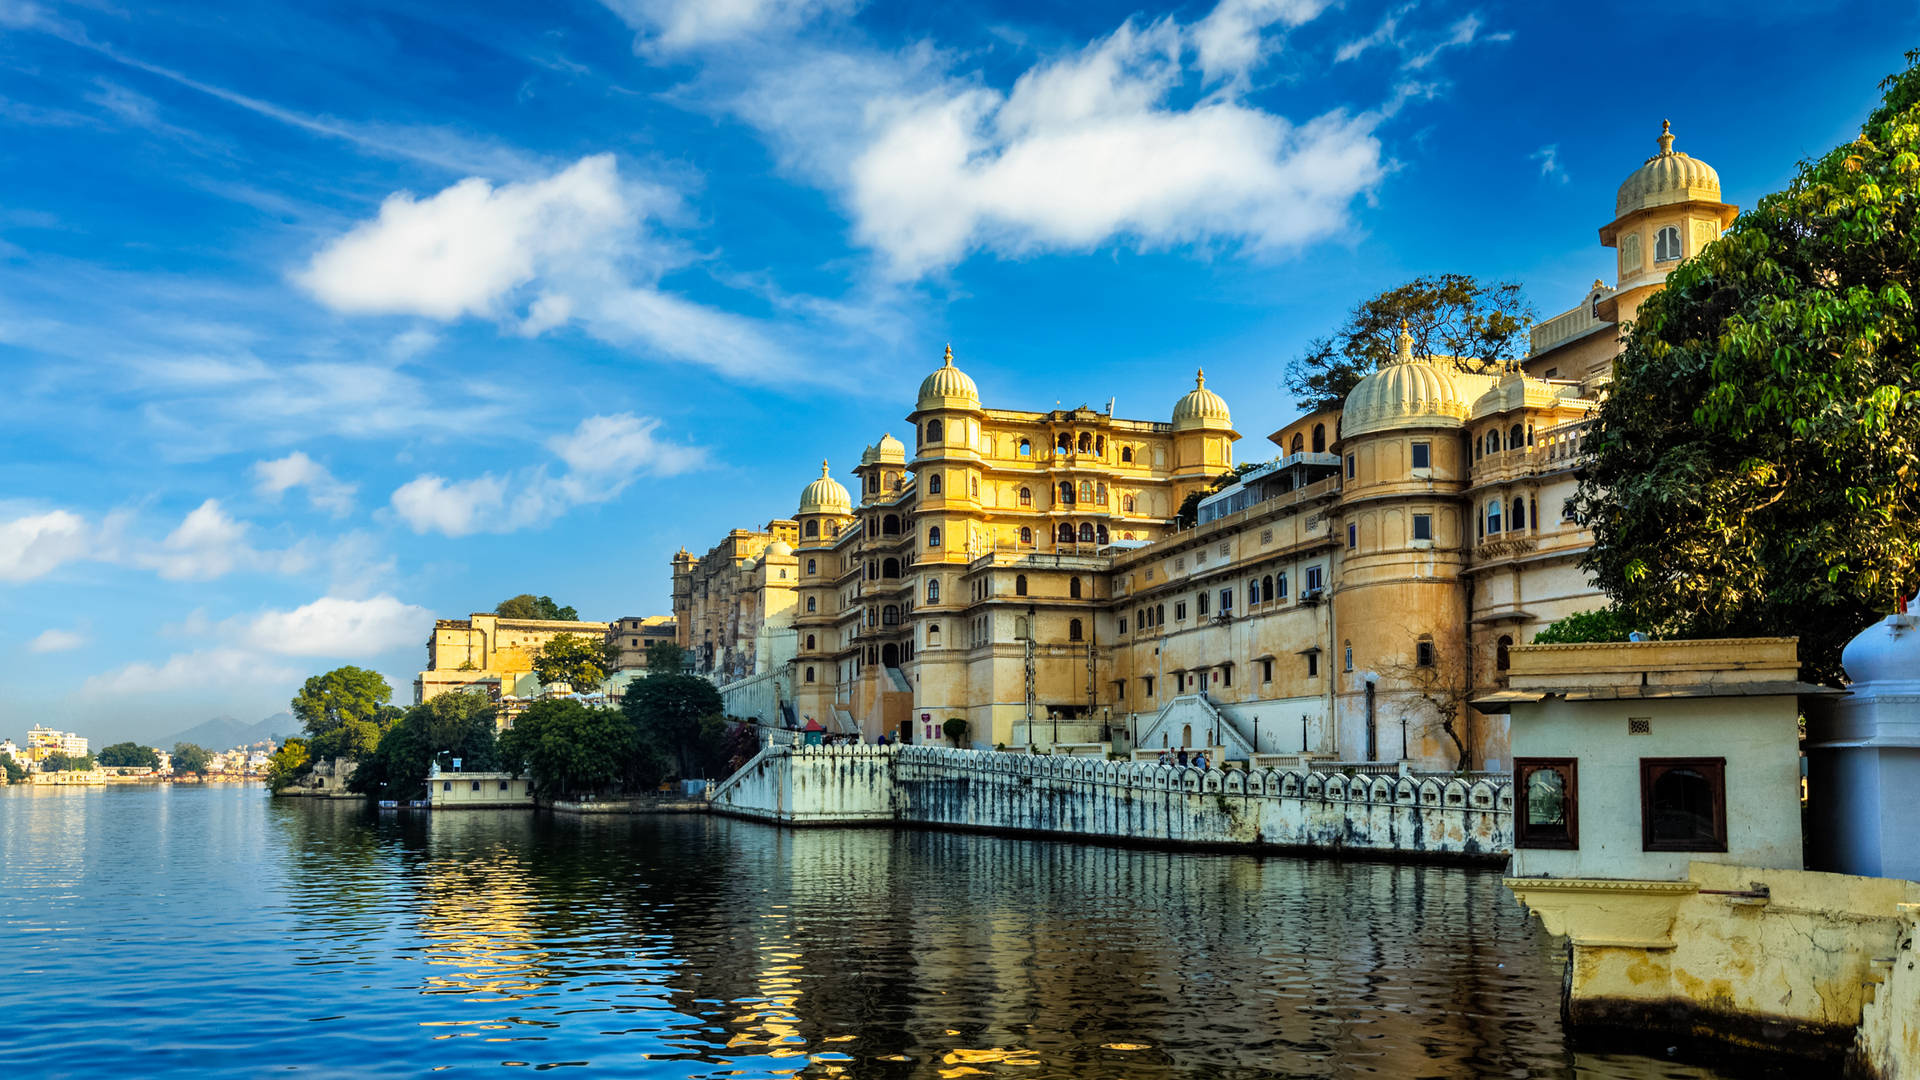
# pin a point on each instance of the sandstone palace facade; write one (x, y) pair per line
(1024, 571)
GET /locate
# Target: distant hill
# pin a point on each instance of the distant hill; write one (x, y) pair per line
(224, 732)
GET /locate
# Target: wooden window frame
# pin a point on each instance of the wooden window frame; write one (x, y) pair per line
(1716, 767)
(1567, 767)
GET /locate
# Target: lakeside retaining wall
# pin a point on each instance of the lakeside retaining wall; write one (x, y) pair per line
(1438, 817)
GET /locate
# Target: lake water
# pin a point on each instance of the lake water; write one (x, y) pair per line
(213, 932)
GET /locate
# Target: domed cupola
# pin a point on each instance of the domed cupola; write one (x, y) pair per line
(779, 549)
(1667, 177)
(1201, 407)
(1407, 392)
(825, 496)
(891, 450)
(949, 388)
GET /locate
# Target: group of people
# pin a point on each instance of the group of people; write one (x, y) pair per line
(1171, 758)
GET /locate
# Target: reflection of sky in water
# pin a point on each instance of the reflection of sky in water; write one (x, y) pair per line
(230, 936)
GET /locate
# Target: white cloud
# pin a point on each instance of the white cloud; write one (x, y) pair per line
(337, 627)
(1230, 39)
(1462, 33)
(274, 478)
(688, 24)
(209, 543)
(1088, 149)
(602, 455)
(1384, 34)
(34, 545)
(56, 640)
(1549, 158)
(206, 673)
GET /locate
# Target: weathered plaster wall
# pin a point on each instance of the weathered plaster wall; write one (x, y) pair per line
(1887, 1046)
(971, 789)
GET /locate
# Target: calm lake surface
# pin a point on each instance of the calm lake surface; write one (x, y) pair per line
(211, 932)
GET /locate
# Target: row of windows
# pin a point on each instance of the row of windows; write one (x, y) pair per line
(1518, 437)
(1086, 442)
(1683, 803)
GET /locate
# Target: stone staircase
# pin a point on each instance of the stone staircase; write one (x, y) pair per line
(1195, 713)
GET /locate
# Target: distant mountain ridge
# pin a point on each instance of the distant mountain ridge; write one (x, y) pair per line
(225, 733)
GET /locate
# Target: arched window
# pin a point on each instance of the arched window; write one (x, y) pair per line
(933, 591)
(809, 642)
(1519, 513)
(1086, 491)
(1666, 244)
(973, 486)
(890, 615)
(809, 674)
(811, 604)
(1100, 445)
(1026, 448)
(1126, 455)
(1074, 632)
(1086, 532)
(1026, 534)
(1020, 585)
(873, 570)
(1159, 614)
(1026, 496)
(933, 536)
(1253, 593)
(1066, 491)
(1516, 437)
(933, 633)
(933, 484)
(1319, 438)
(1299, 444)
(1280, 585)
(936, 431)
(813, 528)
(1064, 443)
(1126, 504)
(1100, 533)
(1066, 533)
(1086, 443)
(1073, 588)
(1100, 493)
(890, 525)
(1502, 659)
(890, 568)
(1529, 434)
(1020, 628)
(812, 567)
(1493, 516)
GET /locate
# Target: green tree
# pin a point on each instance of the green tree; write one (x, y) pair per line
(1584, 626)
(581, 662)
(56, 761)
(129, 755)
(452, 726)
(567, 748)
(288, 764)
(16, 772)
(1756, 467)
(666, 711)
(529, 606)
(665, 658)
(191, 758)
(955, 729)
(1482, 326)
(342, 712)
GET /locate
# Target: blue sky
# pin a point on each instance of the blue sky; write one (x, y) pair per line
(321, 323)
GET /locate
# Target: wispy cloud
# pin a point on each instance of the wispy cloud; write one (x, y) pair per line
(57, 640)
(675, 25)
(1549, 158)
(324, 491)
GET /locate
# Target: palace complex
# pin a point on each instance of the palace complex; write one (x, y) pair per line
(1025, 571)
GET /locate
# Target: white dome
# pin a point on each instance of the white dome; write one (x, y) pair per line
(1201, 407)
(890, 449)
(779, 549)
(1667, 177)
(825, 496)
(1407, 392)
(1886, 654)
(948, 388)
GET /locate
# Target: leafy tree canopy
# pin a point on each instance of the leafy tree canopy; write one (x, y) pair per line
(59, 761)
(1482, 326)
(191, 758)
(667, 713)
(568, 748)
(581, 662)
(344, 712)
(1583, 627)
(1756, 467)
(16, 772)
(128, 755)
(665, 658)
(288, 764)
(529, 606)
(451, 726)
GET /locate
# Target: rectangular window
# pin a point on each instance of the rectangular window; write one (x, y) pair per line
(1226, 601)
(1423, 653)
(1549, 811)
(1226, 676)
(1123, 624)
(1180, 611)
(1149, 681)
(1350, 458)
(1266, 671)
(1201, 600)
(1353, 536)
(1313, 578)
(1683, 804)
(1422, 455)
(1313, 665)
(1423, 526)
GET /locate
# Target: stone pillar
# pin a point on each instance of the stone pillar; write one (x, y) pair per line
(1863, 758)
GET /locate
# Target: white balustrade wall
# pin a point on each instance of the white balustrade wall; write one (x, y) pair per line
(1432, 816)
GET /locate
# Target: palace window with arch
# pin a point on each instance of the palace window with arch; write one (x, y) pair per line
(1026, 534)
(812, 604)
(1020, 585)
(1026, 496)
(933, 591)
(1066, 491)
(936, 431)
(1075, 631)
(933, 484)
(933, 536)
(1073, 588)
(1666, 244)
(1086, 532)
(1493, 516)
(813, 528)
(1026, 448)
(1126, 455)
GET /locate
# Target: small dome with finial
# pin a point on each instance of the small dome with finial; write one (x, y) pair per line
(1201, 407)
(1667, 177)
(825, 495)
(889, 450)
(948, 388)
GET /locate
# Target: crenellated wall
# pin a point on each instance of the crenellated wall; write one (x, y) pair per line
(1439, 817)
